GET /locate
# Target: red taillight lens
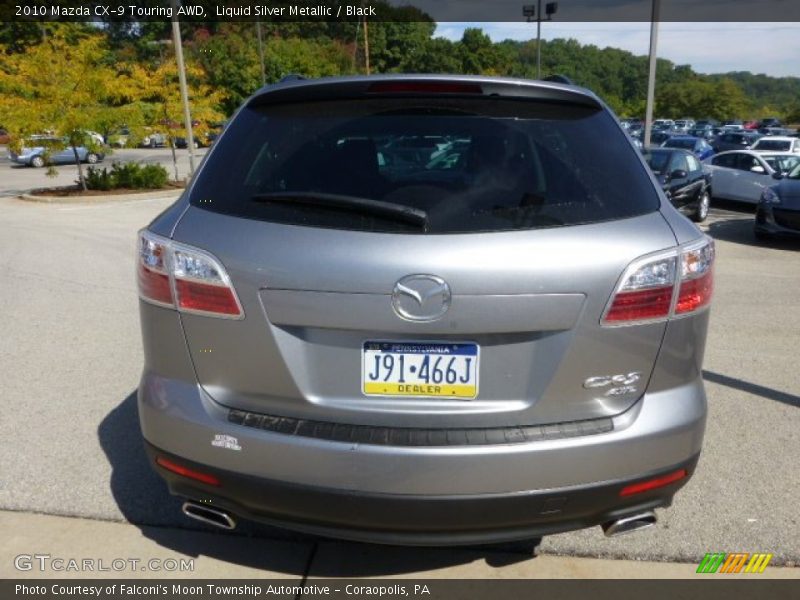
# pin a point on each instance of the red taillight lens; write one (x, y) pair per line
(186, 471)
(695, 293)
(652, 484)
(154, 286)
(641, 305)
(648, 285)
(697, 278)
(153, 270)
(198, 280)
(423, 87)
(201, 297)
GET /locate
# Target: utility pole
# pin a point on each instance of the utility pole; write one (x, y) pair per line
(261, 53)
(651, 76)
(366, 45)
(187, 117)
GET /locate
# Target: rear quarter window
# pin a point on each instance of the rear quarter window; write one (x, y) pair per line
(468, 166)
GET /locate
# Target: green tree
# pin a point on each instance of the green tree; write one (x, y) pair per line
(65, 85)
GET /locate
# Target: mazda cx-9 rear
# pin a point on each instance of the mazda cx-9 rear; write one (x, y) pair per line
(424, 310)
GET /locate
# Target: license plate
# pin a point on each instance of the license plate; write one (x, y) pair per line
(422, 369)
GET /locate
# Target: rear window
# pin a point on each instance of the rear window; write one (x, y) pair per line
(680, 143)
(775, 145)
(425, 166)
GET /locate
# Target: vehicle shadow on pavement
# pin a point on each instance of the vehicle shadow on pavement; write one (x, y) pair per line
(752, 388)
(740, 231)
(145, 502)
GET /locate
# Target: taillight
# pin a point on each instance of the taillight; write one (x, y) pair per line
(657, 287)
(697, 278)
(153, 271)
(189, 279)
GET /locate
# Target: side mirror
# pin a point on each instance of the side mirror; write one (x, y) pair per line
(678, 174)
(757, 169)
(777, 175)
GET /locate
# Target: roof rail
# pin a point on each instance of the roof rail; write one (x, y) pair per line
(559, 79)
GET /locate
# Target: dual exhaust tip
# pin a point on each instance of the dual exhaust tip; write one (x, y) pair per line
(206, 513)
(629, 524)
(210, 515)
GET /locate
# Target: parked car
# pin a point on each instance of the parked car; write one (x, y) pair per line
(777, 144)
(705, 132)
(95, 137)
(781, 162)
(657, 138)
(770, 122)
(734, 140)
(154, 139)
(774, 131)
(706, 122)
(119, 139)
(751, 124)
(663, 125)
(385, 367)
(684, 181)
(34, 154)
(683, 125)
(739, 175)
(778, 211)
(697, 146)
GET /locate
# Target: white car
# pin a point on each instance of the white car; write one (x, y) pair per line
(739, 175)
(775, 143)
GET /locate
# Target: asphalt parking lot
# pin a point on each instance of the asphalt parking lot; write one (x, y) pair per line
(71, 358)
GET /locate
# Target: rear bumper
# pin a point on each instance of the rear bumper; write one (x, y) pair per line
(423, 495)
(418, 519)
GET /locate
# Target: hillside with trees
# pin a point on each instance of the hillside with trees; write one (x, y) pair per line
(132, 73)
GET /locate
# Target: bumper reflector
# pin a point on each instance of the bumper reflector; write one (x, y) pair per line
(655, 483)
(186, 472)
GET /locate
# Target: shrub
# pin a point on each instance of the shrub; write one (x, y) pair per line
(132, 176)
(97, 179)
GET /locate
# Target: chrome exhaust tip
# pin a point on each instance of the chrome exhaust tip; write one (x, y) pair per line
(208, 514)
(629, 524)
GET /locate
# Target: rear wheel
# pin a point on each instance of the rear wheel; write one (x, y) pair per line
(92, 158)
(703, 203)
(37, 161)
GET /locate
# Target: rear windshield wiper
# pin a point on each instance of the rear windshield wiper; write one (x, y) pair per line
(355, 204)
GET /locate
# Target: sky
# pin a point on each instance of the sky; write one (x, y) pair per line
(771, 48)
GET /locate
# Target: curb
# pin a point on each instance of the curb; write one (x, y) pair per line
(166, 194)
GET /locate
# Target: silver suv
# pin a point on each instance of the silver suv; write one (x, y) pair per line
(424, 310)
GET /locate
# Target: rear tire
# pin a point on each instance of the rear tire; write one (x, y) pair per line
(37, 162)
(703, 203)
(92, 158)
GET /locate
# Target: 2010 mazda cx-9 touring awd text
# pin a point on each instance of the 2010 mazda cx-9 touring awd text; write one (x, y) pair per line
(424, 310)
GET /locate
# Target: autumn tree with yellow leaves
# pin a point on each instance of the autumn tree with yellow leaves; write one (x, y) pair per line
(71, 83)
(67, 85)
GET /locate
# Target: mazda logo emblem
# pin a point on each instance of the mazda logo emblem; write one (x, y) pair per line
(421, 297)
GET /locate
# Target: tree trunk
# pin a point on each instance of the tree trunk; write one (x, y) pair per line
(81, 178)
